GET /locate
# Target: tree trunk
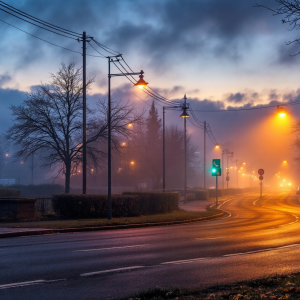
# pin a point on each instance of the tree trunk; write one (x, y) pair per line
(67, 178)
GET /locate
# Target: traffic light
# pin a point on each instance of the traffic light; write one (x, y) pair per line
(216, 167)
(216, 172)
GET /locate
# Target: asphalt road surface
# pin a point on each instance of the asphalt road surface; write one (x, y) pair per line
(257, 238)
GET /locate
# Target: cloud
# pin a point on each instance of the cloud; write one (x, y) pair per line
(5, 78)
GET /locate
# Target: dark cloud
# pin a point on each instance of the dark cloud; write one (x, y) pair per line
(159, 30)
(236, 98)
(4, 79)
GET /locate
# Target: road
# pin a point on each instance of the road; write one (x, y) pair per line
(257, 238)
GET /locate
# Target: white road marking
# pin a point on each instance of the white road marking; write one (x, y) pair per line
(26, 283)
(18, 284)
(101, 249)
(185, 261)
(111, 270)
(214, 238)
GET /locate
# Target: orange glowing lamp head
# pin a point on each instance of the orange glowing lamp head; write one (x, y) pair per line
(281, 111)
(132, 163)
(285, 162)
(130, 125)
(123, 144)
(184, 114)
(217, 146)
(141, 83)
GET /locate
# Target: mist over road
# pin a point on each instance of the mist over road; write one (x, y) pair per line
(259, 237)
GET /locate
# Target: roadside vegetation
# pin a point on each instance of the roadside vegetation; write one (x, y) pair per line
(53, 222)
(277, 287)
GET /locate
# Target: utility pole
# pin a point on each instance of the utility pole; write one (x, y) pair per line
(164, 152)
(109, 143)
(32, 168)
(204, 152)
(84, 113)
(185, 150)
(237, 173)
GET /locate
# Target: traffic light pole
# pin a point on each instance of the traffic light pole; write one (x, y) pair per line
(217, 190)
(261, 189)
(204, 162)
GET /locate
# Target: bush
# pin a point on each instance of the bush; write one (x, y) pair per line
(212, 193)
(190, 197)
(94, 206)
(38, 190)
(202, 195)
(156, 203)
(9, 193)
(129, 204)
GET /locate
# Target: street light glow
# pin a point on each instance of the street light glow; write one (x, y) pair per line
(217, 146)
(141, 83)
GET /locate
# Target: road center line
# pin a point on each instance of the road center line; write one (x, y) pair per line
(185, 261)
(111, 271)
(18, 284)
(214, 238)
(101, 249)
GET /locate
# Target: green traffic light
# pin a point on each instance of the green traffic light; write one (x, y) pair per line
(214, 170)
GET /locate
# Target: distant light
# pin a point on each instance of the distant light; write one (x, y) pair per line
(22, 162)
(283, 179)
(217, 146)
(284, 161)
(130, 124)
(244, 163)
(132, 162)
(6, 154)
(281, 185)
(290, 184)
(124, 144)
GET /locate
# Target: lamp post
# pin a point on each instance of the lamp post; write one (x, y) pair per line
(140, 83)
(204, 153)
(184, 115)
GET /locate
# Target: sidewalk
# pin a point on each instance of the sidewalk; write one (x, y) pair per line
(192, 206)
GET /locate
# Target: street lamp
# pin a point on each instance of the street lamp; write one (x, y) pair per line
(141, 83)
(225, 151)
(281, 111)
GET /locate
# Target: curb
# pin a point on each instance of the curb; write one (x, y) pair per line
(84, 229)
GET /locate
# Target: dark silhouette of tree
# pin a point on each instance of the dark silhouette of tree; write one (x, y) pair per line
(175, 156)
(290, 10)
(49, 123)
(153, 149)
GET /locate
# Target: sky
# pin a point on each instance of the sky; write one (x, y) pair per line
(221, 54)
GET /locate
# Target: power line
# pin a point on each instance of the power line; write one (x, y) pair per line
(45, 40)
(15, 10)
(38, 25)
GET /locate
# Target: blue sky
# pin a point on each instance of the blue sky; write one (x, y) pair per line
(220, 53)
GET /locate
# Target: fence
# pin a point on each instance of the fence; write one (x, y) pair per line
(43, 206)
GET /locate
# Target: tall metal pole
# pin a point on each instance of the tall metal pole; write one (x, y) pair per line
(32, 168)
(185, 151)
(237, 174)
(204, 152)
(216, 190)
(227, 171)
(223, 169)
(109, 144)
(84, 113)
(164, 152)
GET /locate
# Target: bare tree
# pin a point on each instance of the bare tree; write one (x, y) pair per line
(290, 10)
(49, 122)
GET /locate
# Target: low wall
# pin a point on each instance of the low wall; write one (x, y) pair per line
(17, 209)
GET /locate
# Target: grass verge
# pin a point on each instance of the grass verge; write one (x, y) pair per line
(55, 223)
(278, 287)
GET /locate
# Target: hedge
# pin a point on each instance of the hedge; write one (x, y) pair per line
(202, 195)
(9, 193)
(156, 203)
(126, 205)
(94, 206)
(38, 190)
(212, 193)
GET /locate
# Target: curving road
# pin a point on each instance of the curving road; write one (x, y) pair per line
(258, 237)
